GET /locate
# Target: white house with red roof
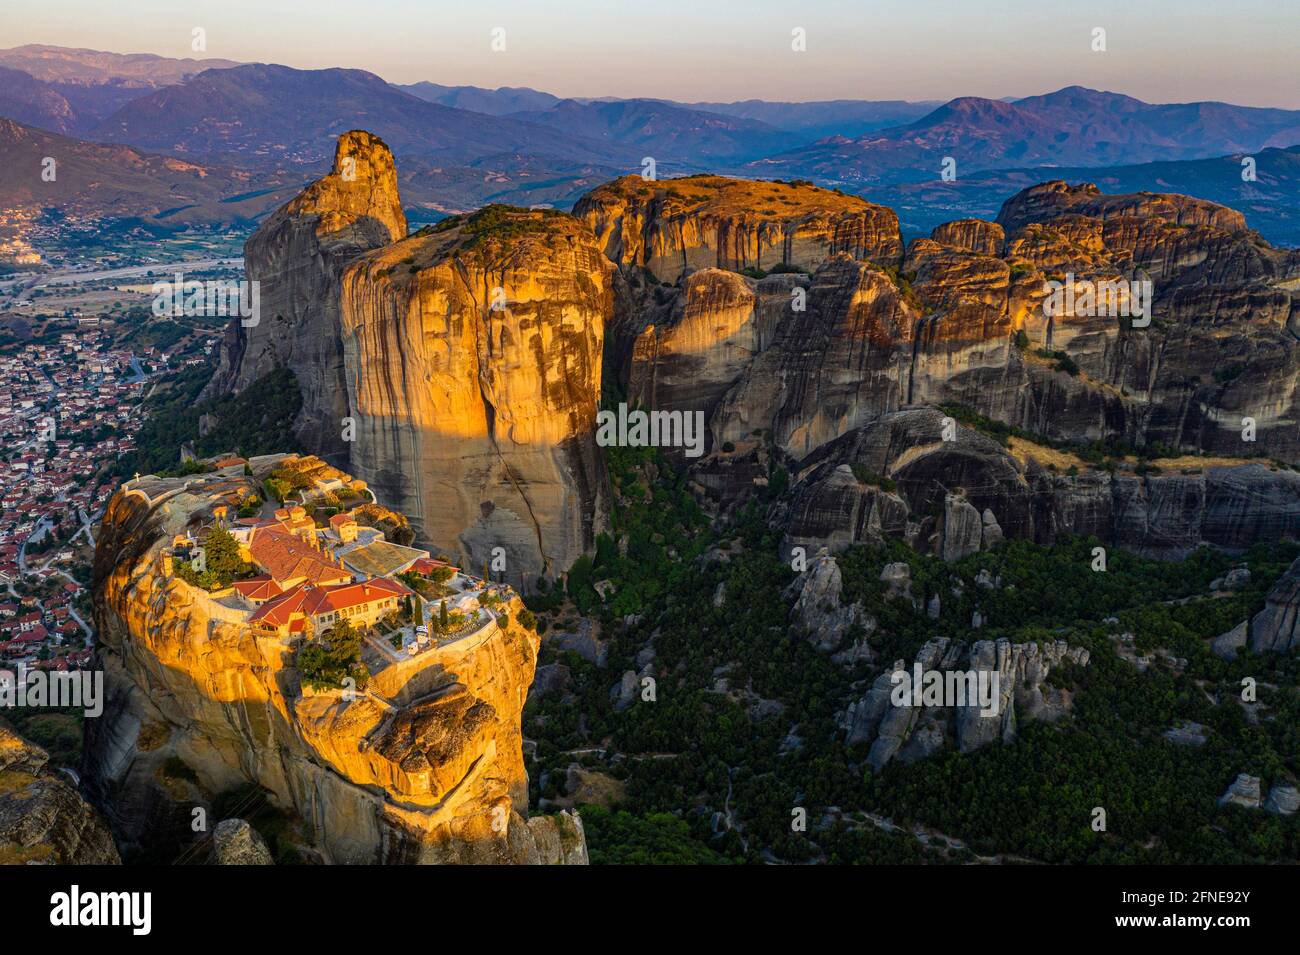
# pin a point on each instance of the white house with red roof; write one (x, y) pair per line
(320, 608)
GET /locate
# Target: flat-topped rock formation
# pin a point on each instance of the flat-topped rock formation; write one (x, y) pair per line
(672, 226)
(473, 355)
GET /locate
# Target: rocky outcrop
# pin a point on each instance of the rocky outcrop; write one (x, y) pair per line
(1048, 200)
(422, 765)
(1277, 626)
(947, 497)
(1243, 792)
(1283, 800)
(43, 818)
(919, 727)
(235, 842)
(686, 352)
(818, 608)
(838, 363)
(297, 257)
(971, 235)
(1022, 670)
(674, 226)
(1227, 645)
(967, 320)
(1186, 733)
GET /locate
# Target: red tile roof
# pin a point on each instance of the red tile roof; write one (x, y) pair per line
(285, 557)
(258, 588)
(309, 601)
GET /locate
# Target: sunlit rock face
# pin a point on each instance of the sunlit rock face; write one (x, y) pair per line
(297, 257)
(424, 766)
(457, 370)
(472, 355)
(673, 226)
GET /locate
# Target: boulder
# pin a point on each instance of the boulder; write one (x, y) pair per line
(1186, 733)
(1244, 792)
(1235, 579)
(899, 578)
(1227, 645)
(1277, 626)
(1283, 800)
(235, 842)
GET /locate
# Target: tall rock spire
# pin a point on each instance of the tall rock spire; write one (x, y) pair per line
(298, 256)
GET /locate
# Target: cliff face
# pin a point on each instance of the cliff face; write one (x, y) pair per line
(424, 765)
(963, 495)
(43, 819)
(810, 358)
(675, 225)
(297, 256)
(473, 356)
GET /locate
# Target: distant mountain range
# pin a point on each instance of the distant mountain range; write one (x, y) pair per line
(1073, 126)
(1269, 202)
(812, 120)
(59, 64)
(71, 90)
(463, 146)
(263, 114)
(498, 102)
(665, 130)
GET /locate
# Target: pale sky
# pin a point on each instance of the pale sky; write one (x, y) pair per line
(1239, 51)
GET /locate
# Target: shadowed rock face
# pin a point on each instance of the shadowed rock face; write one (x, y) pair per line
(423, 766)
(949, 496)
(1277, 626)
(673, 226)
(297, 256)
(916, 731)
(43, 819)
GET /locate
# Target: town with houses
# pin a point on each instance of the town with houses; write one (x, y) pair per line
(70, 410)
